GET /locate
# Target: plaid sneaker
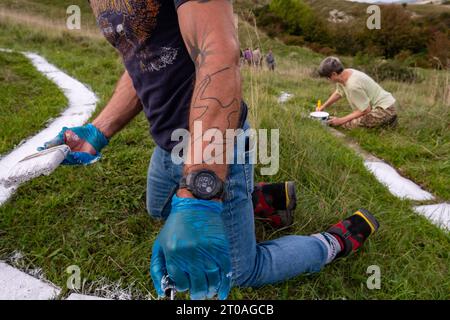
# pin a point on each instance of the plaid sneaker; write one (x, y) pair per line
(275, 203)
(353, 231)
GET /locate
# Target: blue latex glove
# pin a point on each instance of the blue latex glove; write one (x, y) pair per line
(193, 250)
(88, 133)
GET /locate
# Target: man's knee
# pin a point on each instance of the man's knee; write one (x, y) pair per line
(159, 209)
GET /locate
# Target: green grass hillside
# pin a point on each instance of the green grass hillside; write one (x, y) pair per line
(95, 216)
(355, 9)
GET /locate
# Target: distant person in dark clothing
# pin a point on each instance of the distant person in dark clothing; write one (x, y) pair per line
(270, 60)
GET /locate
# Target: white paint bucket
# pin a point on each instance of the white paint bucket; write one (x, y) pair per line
(319, 115)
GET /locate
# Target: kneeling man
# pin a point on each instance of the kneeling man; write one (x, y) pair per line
(372, 105)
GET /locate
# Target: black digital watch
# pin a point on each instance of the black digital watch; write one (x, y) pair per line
(203, 184)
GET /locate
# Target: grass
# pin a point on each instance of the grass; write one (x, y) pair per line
(359, 10)
(28, 100)
(95, 217)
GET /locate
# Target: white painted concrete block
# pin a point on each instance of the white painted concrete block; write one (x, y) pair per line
(76, 296)
(439, 214)
(17, 285)
(398, 186)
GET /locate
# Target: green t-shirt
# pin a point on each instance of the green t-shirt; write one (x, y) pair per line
(362, 91)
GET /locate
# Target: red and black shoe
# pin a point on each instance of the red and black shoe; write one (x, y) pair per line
(275, 203)
(353, 231)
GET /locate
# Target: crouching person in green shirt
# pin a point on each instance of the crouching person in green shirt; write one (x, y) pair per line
(372, 105)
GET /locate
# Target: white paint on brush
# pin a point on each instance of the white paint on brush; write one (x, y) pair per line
(439, 214)
(17, 285)
(398, 185)
(82, 103)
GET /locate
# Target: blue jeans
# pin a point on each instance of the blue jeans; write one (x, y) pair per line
(253, 264)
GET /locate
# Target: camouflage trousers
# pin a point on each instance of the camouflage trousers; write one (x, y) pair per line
(378, 117)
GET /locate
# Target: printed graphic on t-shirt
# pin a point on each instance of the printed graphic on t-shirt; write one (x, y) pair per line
(128, 25)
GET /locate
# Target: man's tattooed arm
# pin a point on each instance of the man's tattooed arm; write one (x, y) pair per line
(211, 38)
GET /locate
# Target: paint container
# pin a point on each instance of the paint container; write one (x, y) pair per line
(320, 116)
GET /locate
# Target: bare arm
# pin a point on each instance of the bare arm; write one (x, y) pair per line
(210, 36)
(121, 109)
(332, 100)
(355, 114)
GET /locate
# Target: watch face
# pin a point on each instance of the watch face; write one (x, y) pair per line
(205, 185)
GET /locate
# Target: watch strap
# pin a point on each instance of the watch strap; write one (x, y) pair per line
(182, 183)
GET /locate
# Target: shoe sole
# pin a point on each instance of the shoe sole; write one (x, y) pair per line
(370, 219)
(291, 197)
(287, 217)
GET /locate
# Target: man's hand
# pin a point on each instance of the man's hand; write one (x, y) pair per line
(355, 114)
(193, 250)
(85, 142)
(335, 122)
(320, 108)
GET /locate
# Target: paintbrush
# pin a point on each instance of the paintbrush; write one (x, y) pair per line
(169, 287)
(38, 164)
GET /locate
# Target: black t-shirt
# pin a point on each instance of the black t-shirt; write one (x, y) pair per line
(147, 35)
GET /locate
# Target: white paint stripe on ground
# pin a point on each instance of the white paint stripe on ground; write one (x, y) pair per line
(17, 285)
(386, 174)
(82, 103)
(76, 296)
(398, 185)
(438, 213)
(284, 97)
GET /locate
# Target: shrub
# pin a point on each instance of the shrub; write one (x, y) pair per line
(393, 70)
(293, 40)
(439, 50)
(299, 19)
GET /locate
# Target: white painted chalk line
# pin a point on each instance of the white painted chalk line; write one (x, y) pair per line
(438, 213)
(284, 97)
(17, 285)
(397, 185)
(82, 104)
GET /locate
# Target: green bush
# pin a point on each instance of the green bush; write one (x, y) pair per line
(291, 40)
(390, 70)
(299, 19)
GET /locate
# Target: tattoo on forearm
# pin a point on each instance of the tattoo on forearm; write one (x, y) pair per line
(198, 51)
(205, 107)
(203, 102)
